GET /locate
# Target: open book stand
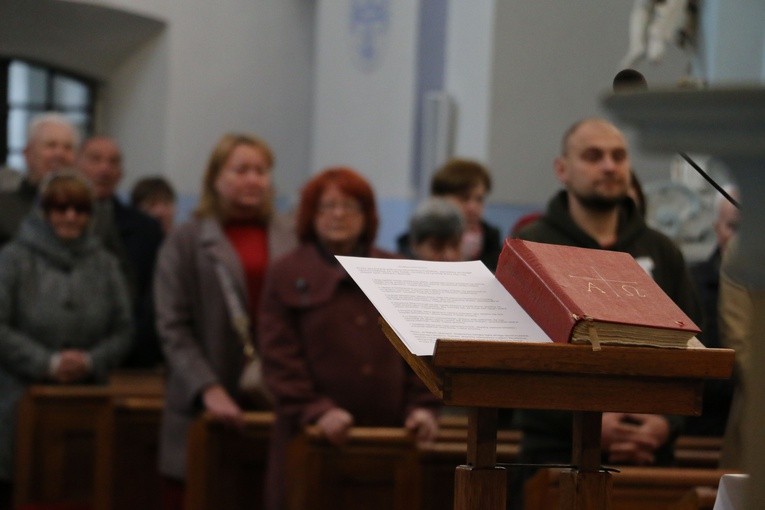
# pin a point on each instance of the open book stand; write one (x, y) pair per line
(485, 376)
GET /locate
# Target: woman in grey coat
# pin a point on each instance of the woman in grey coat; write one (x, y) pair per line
(64, 309)
(210, 271)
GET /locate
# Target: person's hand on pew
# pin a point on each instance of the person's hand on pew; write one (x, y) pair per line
(629, 438)
(334, 424)
(423, 423)
(222, 407)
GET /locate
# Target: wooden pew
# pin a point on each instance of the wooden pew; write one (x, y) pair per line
(59, 430)
(460, 435)
(62, 432)
(375, 470)
(634, 488)
(698, 451)
(132, 479)
(137, 383)
(453, 421)
(382, 468)
(226, 467)
(698, 498)
(690, 452)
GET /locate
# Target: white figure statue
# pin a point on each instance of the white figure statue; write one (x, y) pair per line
(653, 24)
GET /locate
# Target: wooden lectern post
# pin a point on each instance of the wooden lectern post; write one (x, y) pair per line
(481, 483)
(587, 483)
(484, 376)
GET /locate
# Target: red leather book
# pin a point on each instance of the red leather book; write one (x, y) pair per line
(585, 295)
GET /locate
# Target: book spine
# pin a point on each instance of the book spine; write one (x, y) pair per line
(526, 280)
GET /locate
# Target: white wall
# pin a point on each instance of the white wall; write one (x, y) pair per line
(289, 70)
(519, 72)
(85, 37)
(218, 66)
(133, 108)
(552, 62)
(469, 67)
(733, 50)
(364, 108)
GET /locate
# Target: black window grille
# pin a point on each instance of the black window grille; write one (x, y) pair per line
(30, 89)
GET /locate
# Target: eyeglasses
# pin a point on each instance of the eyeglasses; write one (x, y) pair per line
(78, 208)
(348, 206)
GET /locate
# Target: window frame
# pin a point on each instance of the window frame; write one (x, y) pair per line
(47, 105)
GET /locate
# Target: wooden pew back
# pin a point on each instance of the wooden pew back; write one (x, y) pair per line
(59, 431)
(62, 436)
(698, 498)
(96, 446)
(132, 479)
(375, 470)
(698, 451)
(382, 468)
(226, 467)
(634, 488)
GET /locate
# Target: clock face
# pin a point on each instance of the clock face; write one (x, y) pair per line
(684, 208)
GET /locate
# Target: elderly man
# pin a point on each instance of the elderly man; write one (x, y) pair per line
(51, 145)
(131, 235)
(594, 211)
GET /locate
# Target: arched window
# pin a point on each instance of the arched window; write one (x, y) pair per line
(30, 89)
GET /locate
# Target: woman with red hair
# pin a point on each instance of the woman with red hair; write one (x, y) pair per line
(325, 358)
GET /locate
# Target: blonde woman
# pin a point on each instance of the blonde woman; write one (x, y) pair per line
(218, 257)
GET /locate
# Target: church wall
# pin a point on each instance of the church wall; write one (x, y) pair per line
(517, 72)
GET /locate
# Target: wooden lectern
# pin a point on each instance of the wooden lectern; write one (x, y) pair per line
(485, 376)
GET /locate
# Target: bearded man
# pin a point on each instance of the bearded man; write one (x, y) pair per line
(594, 211)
